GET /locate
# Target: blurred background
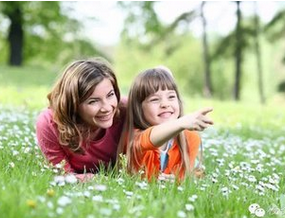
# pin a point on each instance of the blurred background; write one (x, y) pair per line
(223, 51)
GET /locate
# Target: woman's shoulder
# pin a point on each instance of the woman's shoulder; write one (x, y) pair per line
(45, 117)
(45, 113)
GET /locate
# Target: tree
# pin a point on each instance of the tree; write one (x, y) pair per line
(258, 56)
(154, 31)
(235, 45)
(13, 10)
(208, 88)
(238, 53)
(43, 31)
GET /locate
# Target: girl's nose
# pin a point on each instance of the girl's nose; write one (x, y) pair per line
(164, 104)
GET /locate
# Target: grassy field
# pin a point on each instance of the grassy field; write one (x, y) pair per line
(244, 156)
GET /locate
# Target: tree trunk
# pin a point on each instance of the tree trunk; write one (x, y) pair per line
(16, 36)
(208, 90)
(258, 57)
(238, 55)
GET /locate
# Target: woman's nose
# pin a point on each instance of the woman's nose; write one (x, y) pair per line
(106, 106)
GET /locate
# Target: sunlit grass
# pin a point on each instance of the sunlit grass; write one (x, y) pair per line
(244, 156)
(240, 170)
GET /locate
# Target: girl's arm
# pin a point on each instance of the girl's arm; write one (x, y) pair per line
(196, 121)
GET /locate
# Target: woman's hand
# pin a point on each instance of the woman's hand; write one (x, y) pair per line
(87, 177)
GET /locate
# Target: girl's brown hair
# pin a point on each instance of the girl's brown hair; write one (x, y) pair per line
(74, 86)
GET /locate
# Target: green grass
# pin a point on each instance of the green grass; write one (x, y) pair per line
(27, 86)
(244, 156)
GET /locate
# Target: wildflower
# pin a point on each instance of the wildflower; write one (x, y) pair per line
(50, 192)
(63, 201)
(251, 178)
(179, 188)
(189, 207)
(41, 199)
(128, 193)
(97, 198)
(60, 165)
(50, 205)
(11, 164)
(15, 153)
(100, 187)
(225, 191)
(59, 180)
(116, 207)
(31, 203)
(193, 198)
(260, 188)
(181, 214)
(59, 210)
(105, 211)
(70, 178)
(142, 185)
(86, 194)
(120, 181)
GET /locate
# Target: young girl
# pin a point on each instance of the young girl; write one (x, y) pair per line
(159, 139)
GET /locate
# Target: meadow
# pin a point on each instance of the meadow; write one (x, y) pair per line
(244, 158)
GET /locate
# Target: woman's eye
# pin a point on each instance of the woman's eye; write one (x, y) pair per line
(93, 101)
(172, 96)
(111, 94)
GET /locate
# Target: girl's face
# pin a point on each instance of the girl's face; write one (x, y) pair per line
(99, 109)
(161, 106)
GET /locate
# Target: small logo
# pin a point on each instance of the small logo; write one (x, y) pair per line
(256, 210)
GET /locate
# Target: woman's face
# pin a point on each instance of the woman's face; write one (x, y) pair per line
(99, 109)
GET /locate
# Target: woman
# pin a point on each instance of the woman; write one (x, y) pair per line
(82, 126)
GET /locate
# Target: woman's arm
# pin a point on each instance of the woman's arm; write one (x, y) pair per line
(49, 143)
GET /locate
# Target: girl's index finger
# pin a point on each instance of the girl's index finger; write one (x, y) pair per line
(204, 111)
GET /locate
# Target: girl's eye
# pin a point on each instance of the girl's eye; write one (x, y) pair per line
(153, 99)
(172, 96)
